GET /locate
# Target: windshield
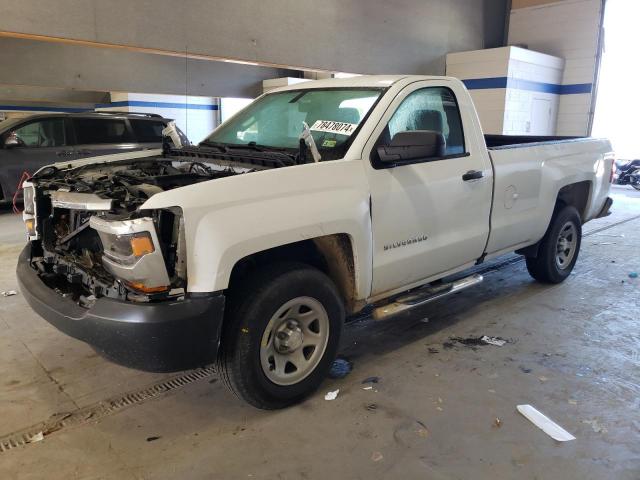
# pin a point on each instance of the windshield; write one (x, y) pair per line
(276, 120)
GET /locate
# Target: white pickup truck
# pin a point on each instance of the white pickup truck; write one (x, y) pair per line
(311, 204)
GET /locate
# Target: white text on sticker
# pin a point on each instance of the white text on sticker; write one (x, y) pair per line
(334, 127)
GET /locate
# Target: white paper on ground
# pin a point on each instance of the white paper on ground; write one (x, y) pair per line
(332, 395)
(498, 342)
(545, 424)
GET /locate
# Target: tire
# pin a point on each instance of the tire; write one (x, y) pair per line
(636, 186)
(548, 266)
(267, 332)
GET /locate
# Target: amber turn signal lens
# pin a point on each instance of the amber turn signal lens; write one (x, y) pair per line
(143, 288)
(141, 245)
(30, 224)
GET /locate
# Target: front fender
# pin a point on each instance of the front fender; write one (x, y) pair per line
(230, 218)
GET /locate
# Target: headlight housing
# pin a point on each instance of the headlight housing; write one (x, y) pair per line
(28, 200)
(127, 248)
(130, 253)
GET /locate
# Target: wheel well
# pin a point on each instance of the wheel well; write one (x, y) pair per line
(576, 195)
(332, 254)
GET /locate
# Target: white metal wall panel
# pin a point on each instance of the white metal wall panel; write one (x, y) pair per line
(569, 29)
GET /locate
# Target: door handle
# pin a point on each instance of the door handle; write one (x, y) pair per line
(472, 175)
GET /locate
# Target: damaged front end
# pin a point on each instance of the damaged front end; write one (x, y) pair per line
(90, 238)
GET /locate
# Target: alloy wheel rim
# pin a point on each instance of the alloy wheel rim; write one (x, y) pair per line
(294, 341)
(566, 245)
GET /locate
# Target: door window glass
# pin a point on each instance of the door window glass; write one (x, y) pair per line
(147, 130)
(43, 133)
(433, 108)
(101, 130)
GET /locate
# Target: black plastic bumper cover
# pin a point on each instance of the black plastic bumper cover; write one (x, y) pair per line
(161, 337)
(605, 210)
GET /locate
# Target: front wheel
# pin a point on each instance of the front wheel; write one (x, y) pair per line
(559, 248)
(281, 335)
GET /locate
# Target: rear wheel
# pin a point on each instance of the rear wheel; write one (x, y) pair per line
(281, 335)
(559, 248)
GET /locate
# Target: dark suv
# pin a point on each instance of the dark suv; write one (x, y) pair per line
(26, 144)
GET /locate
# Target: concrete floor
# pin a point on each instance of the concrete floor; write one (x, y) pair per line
(573, 353)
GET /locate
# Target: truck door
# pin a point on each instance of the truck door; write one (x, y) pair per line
(430, 215)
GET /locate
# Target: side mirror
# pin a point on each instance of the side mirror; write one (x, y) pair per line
(12, 140)
(413, 145)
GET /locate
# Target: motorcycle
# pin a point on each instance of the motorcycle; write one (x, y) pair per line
(628, 173)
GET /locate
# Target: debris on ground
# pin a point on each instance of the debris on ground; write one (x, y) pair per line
(376, 456)
(372, 407)
(543, 378)
(332, 395)
(524, 369)
(152, 439)
(633, 275)
(368, 388)
(545, 424)
(422, 430)
(497, 341)
(425, 320)
(340, 368)
(571, 401)
(11, 293)
(38, 437)
(473, 342)
(433, 350)
(497, 423)
(595, 426)
(370, 380)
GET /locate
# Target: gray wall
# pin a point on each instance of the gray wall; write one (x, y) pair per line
(363, 36)
(37, 63)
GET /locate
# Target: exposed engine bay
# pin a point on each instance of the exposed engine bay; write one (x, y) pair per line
(90, 238)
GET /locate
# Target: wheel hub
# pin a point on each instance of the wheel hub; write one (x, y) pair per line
(289, 337)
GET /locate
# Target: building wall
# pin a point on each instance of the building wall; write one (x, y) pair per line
(45, 64)
(360, 36)
(568, 29)
(197, 117)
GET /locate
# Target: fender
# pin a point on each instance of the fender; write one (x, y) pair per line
(230, 218)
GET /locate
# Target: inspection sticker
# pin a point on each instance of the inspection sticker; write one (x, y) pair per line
(334, 127)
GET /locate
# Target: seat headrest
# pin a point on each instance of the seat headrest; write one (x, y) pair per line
(427, 120)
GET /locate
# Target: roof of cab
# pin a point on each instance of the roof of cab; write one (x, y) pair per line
(373, 81)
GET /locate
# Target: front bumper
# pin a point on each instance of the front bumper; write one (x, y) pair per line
(161, 337)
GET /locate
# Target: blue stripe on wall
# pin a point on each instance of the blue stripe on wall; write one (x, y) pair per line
(129, 103)
(520, 84)
(142, 103)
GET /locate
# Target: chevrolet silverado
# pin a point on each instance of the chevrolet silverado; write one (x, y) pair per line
(315, 202)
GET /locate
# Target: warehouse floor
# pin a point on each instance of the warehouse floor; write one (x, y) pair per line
(440, 410)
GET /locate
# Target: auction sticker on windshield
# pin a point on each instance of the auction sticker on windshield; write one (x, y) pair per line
(334, 127)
